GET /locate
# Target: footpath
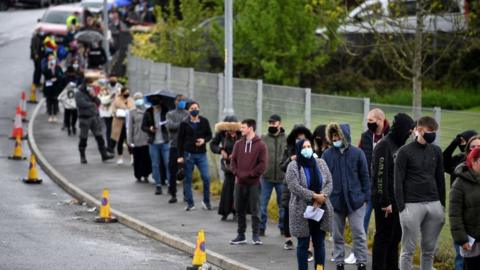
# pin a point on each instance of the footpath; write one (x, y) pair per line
(138, 207)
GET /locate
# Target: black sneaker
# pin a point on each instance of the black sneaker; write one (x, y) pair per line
(340, 266)
(158, 191)
(256, 240)
(206, 206)
(173, 200)
(361, 266)
(288, 245)
(224, 218)
(190, 208)
(107, 156)
(239, 240)
(261, 232)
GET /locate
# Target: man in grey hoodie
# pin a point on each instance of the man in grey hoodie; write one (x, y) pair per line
(174, 119)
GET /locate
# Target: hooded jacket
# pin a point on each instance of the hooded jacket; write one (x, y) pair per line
(367, 142)
(276, 145)
(450, 161)
(348, 166)
(464, 205)
(87, 106)
(249, 161)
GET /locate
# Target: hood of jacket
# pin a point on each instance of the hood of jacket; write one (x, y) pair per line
(248, 144)
(227, 126)
(343, 130)
(298, 129)
(463, 172)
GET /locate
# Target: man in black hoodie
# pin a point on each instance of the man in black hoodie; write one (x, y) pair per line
(387, 224)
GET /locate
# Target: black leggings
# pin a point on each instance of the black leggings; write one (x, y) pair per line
(52, 106)
(286, 220)
(121, 141)
(70, 118)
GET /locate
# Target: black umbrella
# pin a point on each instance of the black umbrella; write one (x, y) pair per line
(89, 36)
(165, 97)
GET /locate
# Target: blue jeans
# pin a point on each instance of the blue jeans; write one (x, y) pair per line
(190, 160)
(318, 239)
(266, 191)
(155, 151)
(458, 258)
(368, 213)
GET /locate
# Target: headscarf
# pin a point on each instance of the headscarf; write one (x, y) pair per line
(316, 180)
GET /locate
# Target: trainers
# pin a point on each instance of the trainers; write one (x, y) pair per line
(261, 232)
(361, 266)
(173, 200)
(158, 191)
(256, 240)
(206, 206)
(310, 256)
(340, 266)
(120, 161)
(239, 240)
(288, 245)
(351, 259)
(189, 207)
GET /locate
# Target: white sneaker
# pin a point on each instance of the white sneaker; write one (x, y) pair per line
(351, 259)
(50, 119)
(131, 160)
(55, 119)
(119, 161)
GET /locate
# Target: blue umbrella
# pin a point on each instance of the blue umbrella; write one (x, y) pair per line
(123, 3)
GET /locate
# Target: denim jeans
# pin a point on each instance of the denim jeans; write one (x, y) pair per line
(190, 160)
(266, 192)
(318, 239)
(155, 151)
(458, 258)
(368, 213)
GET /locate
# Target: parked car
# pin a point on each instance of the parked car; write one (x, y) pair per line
(96, 6)
(54, 20)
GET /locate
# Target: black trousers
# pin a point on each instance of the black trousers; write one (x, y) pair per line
(247, 197)
(108, 132)
(388, 234)
(37, 71)
(142, 166)
(471, 263)
(173, 169)
(286, 220)
(52, 105)
(70, 118)
(226, 204)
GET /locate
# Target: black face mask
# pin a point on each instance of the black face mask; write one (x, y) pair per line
(112, 84)
(429, 137)
(462, 148)
(372, 126)
(272, 130)
(126, 95)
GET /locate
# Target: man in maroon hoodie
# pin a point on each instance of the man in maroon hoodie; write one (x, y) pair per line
(249, 162)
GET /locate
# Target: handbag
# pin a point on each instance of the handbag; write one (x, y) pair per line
(121, 113)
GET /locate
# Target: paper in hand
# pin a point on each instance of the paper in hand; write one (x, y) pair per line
(471, 240)
(313, 213)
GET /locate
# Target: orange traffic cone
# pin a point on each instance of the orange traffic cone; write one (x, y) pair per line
(199, 260)
(23, 105)
(32, 176)
(17, 125)
(105, 215)
(33, 94)
(17, 151)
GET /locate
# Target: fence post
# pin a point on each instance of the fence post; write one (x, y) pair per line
(220, 95)
(437, 114)
(168, 76)
(259, 106)
(191, 83)
(366, 109)
(308, 107)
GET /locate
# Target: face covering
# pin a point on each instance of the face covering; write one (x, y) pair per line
(52, 62)
(126, 95)
(429, 137)
(194, 112)
(181, 105)
(75, 66)
(372, 126)
(338, 144)
(112, 83)
(307, 152)
(272, 130)
(139, 102)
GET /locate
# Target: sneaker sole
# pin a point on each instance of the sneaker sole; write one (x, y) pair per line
(238, 243)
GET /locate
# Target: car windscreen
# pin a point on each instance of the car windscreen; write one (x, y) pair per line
(92, 4)
(56, 16)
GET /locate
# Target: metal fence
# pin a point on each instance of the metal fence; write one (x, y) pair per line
(254, 99)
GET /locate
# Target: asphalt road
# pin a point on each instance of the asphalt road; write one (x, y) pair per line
(40, 226)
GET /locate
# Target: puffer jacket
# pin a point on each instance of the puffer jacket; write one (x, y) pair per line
(465, 205)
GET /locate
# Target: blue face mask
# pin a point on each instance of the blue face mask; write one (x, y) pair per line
(181, 105)
(338, 144)
(139, 102)
(307, 152)
(194, 113)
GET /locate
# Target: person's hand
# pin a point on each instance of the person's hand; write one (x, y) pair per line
(152, 129)
(387, 210)
(467, 246)
(316, 204)
(294, 157)
(200, 141)
(319, 198)
(180, 160)
(224, 154)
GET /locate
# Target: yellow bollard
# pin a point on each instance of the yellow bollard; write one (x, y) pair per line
(105, 215)
(17, 151)
(32, 176)
(199, 255)
(319, 267)
(33, 94)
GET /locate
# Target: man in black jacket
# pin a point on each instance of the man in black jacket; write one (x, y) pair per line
(193, 135)
(387, 224)
(89, 119)
(419, 186)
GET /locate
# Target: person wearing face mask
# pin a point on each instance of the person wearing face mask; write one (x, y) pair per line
(87, 107)
(174, 119)
(463, 212)
(387, 224)
(193, 135)
(310, 183)
(113, 85)
(120, 107)
(321, 142)
(137, 139)
(351, 193)
(226, 134)
(53, 75)
(419, 186)
(96, 56)
(67, 98)
(273, 178)
(298, 132)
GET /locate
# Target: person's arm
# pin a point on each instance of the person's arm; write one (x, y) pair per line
(448, 161)
(364, 176)
(292, 177)
(215, 143)
(399, 172)
(129, 126)
(181, 140)
(208, 131)
(233, 160)
(440, 176)
(147, 123)
(456, 215)
(327, 177)
(381, 166)
(285, 160)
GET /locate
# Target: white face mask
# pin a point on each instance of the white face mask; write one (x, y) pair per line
(75, 66)
(52, 63)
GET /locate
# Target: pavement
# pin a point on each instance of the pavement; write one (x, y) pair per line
(152, 214)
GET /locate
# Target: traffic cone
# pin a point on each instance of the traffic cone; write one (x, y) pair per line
(319, 267)
(105, 215)
(33, 94)
(17, 151)
(32, 176)
(199, 256)
(17, 125)
(23, 105)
